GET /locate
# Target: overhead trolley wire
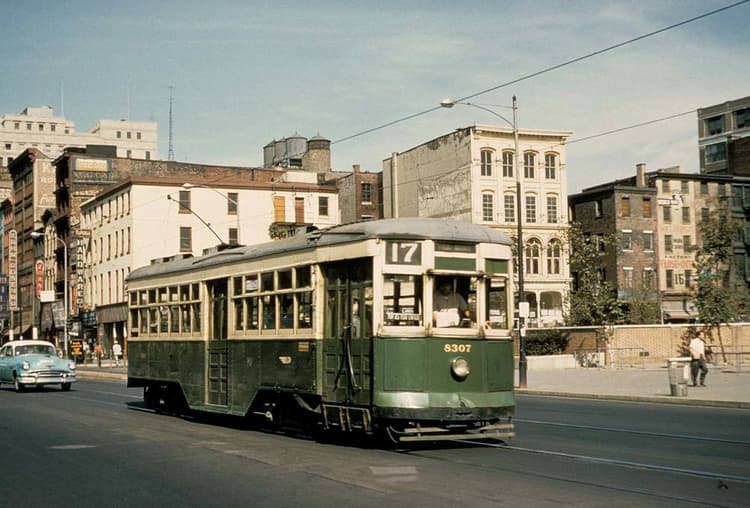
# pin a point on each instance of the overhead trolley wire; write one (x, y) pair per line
(546, 70)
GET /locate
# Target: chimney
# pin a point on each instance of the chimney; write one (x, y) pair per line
(640, 175)
(355, 168)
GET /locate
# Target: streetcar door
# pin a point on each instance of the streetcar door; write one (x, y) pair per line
(218, 353)
(348, 331)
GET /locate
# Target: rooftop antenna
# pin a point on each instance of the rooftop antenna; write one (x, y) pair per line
(170, 155)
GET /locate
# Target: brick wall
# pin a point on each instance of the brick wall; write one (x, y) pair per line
(635, 345)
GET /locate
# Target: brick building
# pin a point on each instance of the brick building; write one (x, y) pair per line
(655, 218)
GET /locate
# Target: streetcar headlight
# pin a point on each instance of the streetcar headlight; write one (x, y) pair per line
(25, 366)
(460, 368)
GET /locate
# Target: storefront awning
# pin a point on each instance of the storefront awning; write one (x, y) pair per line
(112, 313)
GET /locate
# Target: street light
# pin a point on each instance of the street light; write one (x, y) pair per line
(448, 103)
(188, 186)
(35, 235)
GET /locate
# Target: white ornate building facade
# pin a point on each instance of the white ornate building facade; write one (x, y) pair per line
(470, 175)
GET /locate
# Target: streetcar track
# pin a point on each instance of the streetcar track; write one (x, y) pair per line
(616, 462)
(548, 476)
(636, 432)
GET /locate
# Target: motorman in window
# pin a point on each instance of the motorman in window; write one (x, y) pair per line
(449, 308)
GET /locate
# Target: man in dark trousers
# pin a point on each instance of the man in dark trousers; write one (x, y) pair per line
(698, 359)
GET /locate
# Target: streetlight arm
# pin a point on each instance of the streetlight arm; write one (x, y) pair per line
(447, 103)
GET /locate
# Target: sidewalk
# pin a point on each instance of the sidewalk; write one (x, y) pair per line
(725, 387)
(106, 371)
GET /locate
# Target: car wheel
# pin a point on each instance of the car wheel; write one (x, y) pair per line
(19, 386)
(65, 387)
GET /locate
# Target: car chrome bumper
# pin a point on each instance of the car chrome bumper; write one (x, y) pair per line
(46, 379)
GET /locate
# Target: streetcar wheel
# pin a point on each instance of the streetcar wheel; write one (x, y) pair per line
(65, 387)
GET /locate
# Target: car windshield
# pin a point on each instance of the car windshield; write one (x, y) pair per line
(35, 349)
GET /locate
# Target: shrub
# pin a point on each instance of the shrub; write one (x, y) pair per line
(546, 342)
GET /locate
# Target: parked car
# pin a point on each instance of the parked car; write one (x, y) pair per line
(27, 363)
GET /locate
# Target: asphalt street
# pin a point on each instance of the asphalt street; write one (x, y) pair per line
(97, 446)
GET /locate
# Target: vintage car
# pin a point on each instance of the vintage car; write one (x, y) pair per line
(28, 363)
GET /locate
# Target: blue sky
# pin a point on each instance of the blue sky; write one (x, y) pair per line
(247, 72)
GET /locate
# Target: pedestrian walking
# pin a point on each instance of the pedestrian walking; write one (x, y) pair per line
(117, 352)
(698, 359)
(98, 352)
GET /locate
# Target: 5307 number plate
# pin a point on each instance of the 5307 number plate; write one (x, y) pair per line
(457, 348)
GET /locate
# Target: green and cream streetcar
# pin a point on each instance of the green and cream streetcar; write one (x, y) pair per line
(344, 329)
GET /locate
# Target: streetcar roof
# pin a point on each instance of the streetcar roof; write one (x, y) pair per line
(417, 228)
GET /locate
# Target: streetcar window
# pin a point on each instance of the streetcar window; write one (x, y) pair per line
(285, 279)
(144, 297)
(266, 281)
(252, 313)
(237, 286)
(269, 312)
(152, 296)
(134, 323)
(174, 319)
(402, 300)
(144, 320)
(454, 301)
(303, 277)
(152, 320)
(304, 305)
(184, 293)
(196, 317)
(163, 319)
(497, 304)
(286, 307)
(185, 310)
(173, 296)
(239, 311)
(455, 247)
(196, 291)
(251, 284)
(133, 298)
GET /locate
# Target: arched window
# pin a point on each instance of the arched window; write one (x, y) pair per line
(554, 253)
(508, 159)
(550, 166)
(486, 165)
(529, 163)
(488, 207)
(533, 256)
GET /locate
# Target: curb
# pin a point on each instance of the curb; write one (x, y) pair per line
(95, 374)
(665, 399)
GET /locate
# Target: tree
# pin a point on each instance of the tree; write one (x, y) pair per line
(593, 300)
(643, 307)
(717, 299)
